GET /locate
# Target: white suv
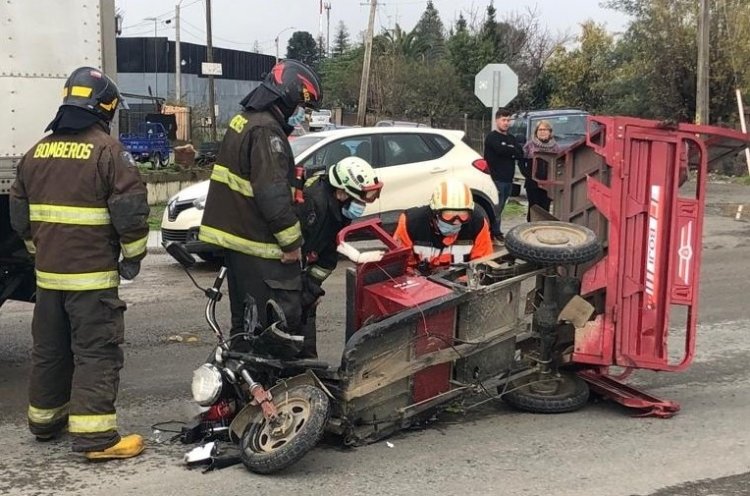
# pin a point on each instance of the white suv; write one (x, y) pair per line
(409, 161)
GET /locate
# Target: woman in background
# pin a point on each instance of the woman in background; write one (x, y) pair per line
(544, 142)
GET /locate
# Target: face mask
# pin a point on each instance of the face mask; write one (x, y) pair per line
(447, 229)
(353, 210)
(296, 118)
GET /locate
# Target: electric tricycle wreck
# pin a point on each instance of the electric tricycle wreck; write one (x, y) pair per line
(572, 298)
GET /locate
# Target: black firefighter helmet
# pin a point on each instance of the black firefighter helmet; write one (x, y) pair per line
(92, 90)
(296, 84)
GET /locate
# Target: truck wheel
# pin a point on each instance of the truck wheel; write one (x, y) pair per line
(155, 160)
(555, 394)
(163, 161)
(303, 412)
(553, 243)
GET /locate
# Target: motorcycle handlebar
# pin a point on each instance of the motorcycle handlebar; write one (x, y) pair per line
(220, 278)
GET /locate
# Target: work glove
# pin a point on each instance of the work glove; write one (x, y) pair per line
(358, 257)
(311, 292)
(128, 269)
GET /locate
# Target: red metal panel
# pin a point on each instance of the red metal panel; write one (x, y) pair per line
(433, 333)
(653, 255)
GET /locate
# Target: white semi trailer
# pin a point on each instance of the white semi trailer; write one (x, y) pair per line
(42, 42)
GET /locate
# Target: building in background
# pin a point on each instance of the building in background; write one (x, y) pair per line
(146, 66)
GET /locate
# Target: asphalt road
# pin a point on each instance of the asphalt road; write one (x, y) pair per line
(600, 450)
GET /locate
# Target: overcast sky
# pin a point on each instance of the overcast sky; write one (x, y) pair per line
(239, 23)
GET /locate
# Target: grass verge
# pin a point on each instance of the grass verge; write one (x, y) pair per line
(154, 218)
(514, 209)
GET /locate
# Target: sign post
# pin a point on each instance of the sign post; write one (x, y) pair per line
(495, 86)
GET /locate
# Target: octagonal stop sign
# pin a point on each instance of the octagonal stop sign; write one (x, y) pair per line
(496, 85)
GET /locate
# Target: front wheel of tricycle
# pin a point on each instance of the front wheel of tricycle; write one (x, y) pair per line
(303, 413)
(554, 393)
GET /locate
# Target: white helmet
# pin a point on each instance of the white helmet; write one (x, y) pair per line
(452, 194)
(357, 178)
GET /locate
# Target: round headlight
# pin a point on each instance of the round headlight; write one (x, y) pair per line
(206, 385)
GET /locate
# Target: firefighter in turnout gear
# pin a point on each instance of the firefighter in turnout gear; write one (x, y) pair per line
(249, 209)
(332, 202)
(451, 229)
(79, 203)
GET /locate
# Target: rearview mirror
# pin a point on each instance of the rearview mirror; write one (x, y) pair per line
(179, 253)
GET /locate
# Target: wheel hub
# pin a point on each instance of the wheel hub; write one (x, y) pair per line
(544, 386)
(293, 413)
(552, 238)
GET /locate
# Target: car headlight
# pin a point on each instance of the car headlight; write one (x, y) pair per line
(200, 203)
(206, 385)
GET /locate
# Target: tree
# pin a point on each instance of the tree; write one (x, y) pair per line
(580, 77)
(489, 32)
(400, 43)
(341, 40)
(430, 34)
(341, 76)
(656, 71)
(302, 47)
(468, 53)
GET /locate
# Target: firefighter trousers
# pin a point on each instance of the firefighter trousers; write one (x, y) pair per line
(263, 279)
(76, 362)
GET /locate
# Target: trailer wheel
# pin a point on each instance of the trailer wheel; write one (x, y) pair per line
(555, 394)
(553, 243)
(155, 160)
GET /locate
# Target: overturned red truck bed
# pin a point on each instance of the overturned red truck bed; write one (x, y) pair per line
(627, 183)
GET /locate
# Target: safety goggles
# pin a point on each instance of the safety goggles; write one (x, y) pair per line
(368, 194)
(455, 216)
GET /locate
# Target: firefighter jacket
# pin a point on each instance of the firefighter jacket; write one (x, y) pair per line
(321, 219)
(249, 204)
(416, 230)
(78, 202)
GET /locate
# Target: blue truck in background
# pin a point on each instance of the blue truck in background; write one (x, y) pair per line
(149, 144)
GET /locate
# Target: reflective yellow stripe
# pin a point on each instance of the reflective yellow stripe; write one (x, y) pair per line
(242, 245)
(221, 174)
(59, 214)
(319, 272)
(47, 415)
(134, 248)
(86, 424)
(289, 235)
(77, 282)
(30, 246)
(81, 91)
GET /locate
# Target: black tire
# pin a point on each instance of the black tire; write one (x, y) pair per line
(553, 243)
(263, 455)
(487, 210)
(155, 160)
(163, 161)
(558, 394)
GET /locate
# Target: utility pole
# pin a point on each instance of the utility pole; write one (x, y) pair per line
(328, 28)
(177, 56)
(156, 57)
(702, 96)
(363, 85)
(210, 59)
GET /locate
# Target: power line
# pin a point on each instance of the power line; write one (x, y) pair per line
(160, 16)
(226, 40)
